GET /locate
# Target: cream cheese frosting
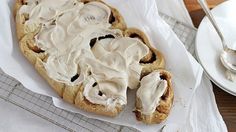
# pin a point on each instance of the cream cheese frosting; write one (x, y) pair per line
(150, 92)
(106, 68)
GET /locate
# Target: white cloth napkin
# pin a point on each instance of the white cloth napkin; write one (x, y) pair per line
(204, 115)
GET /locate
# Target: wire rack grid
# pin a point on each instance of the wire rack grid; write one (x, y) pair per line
(13, 92)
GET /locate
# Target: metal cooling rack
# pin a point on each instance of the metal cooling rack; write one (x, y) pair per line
(13, 92)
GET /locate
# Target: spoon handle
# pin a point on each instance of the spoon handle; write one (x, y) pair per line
(204, 6)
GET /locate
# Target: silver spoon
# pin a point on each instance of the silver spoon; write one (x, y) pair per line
(228, 56)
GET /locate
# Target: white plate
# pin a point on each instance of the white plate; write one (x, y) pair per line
(208, 44)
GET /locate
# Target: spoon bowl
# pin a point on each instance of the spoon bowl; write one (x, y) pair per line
(228, 59)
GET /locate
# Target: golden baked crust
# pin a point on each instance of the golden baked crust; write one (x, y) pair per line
(154, 60)
(162, 111)
(84, 104)
(74, 94)
(57, 86)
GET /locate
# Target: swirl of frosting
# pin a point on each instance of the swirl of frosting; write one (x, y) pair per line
(151, 89)
(112, 70)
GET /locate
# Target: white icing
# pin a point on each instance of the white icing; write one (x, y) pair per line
(67, 29)
(230, 76)
(151, 89)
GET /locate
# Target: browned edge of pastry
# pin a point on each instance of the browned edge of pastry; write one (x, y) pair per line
(84, 104)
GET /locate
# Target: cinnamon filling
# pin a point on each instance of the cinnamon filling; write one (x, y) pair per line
(106, 36)
(53, 22)
(74, 77)
(92, 42)
(153, 58)
(89, 73)
(26, 17)
(163, 77)
(95, 84)
(137, 114)
(143, 75)
(100, 93)
(35, 48)
(163, 97)
(135, 35)
(85, 2)
(24, 2)
(112, 18)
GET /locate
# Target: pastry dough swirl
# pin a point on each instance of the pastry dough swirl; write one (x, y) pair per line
(151, 89)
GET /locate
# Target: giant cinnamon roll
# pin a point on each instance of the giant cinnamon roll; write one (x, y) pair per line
(84, 51)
